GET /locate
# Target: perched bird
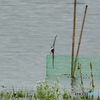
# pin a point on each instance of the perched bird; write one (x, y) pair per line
(3, 86)
(53, 50)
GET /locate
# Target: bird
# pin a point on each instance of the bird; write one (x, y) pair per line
(3, 86)
(53, 50)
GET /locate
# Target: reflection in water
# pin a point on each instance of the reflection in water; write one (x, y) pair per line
(74, 84)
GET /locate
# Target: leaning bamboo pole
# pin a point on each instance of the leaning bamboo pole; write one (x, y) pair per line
(80, 37)
(73, 40)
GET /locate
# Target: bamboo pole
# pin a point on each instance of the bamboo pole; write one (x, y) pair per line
(73, 41)
(80, 37)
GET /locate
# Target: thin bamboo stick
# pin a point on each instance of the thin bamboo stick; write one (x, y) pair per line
(80, 37)
(73, 41)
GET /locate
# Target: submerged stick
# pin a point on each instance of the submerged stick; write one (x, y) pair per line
(80, 37)
(73, 41)
(53, 60)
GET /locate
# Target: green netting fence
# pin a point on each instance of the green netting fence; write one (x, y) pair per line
(62, 66)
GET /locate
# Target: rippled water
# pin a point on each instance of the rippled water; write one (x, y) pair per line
(27, 30)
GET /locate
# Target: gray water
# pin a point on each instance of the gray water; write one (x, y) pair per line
(27, 31)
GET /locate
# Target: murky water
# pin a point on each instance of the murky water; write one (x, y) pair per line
(27, 30)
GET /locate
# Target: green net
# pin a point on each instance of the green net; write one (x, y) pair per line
(62, 66)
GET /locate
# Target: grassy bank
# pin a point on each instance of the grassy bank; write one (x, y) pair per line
(44, 91)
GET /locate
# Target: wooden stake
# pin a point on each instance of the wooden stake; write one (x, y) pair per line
(80, 37)
(73, 41)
